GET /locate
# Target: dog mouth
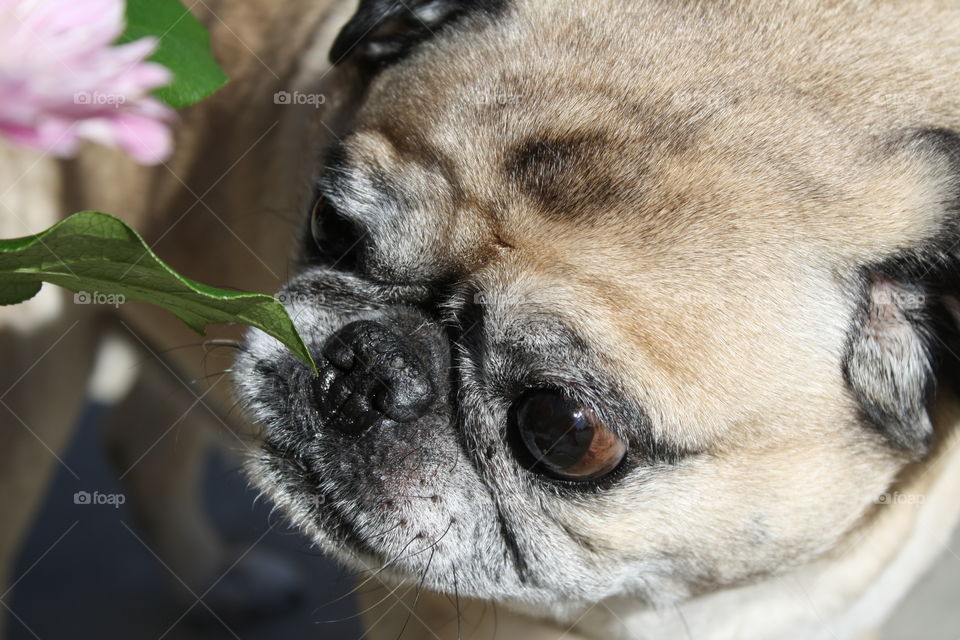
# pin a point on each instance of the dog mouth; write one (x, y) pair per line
(288, 476)
(399, 520)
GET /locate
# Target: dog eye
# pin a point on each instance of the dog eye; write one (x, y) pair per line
(316, 221)
(566, 439)
(337, 240)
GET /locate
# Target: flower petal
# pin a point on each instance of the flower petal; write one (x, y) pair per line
(60, 79)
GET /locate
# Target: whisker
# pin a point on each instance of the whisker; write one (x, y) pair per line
(225, 342)
(435, 542)
(222, 372)
(456, 593)
(384, 614)
(368, 609)
(233, 407)
(683, 619)
(416, 598)
(373, 575)
(405, 456)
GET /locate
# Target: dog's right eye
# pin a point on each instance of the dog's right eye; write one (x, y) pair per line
(338, 242)
(566, 439)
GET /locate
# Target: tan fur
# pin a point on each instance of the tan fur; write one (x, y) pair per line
(779, 126)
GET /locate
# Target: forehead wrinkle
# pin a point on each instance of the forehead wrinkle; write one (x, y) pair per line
(392, 146)
(408, 146)
(429, 186)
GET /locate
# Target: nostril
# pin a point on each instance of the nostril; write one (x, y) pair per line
(404, 394)
(371, 374)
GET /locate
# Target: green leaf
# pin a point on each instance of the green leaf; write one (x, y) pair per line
(184, 48)
(15, 292)
(98, 255)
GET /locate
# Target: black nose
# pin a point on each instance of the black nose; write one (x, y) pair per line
(371, 373)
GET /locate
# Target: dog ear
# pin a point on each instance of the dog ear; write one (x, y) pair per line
(904, 342)
(889, 362)
(382, 32)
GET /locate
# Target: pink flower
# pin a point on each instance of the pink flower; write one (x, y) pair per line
(61, 80)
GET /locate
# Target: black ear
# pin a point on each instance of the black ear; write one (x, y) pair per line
(384, 31)
(904, 343)
(889, 363)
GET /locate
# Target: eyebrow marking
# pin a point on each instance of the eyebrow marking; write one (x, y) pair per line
(568, 176)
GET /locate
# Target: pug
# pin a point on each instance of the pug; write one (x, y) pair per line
(632, 319)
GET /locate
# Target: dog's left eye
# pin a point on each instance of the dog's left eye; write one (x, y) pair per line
(566, 439)
(337, 241)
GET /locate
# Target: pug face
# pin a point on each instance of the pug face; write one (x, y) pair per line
(603, 307)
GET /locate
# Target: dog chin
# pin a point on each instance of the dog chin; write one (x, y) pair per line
(309, 512)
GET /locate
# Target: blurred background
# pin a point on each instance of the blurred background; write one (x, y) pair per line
(83, 575)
